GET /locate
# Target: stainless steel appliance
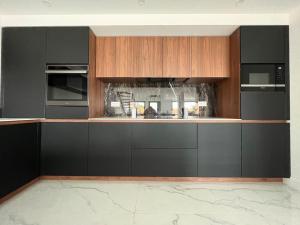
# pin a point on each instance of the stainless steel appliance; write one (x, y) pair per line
(67, 85)
(263, 77)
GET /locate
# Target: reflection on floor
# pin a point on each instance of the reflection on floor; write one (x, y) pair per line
(152, 203)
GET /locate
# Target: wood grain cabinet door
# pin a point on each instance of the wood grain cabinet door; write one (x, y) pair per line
(139, 56)
(176, 57)
(210, 56)
(106, 57)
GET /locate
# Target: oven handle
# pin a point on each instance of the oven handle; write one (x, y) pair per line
(65, 71)
(262, 85)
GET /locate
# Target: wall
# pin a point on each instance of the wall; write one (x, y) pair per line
(0, 64)
(295, 95)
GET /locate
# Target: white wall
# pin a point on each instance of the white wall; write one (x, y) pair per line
(295, 97)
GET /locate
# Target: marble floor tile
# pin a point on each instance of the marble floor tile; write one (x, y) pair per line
(159, 203)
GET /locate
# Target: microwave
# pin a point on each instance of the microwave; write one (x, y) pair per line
(262, 77)
(67, 85)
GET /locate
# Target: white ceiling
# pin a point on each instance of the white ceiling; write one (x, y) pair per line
(186, 30)
(145, 6)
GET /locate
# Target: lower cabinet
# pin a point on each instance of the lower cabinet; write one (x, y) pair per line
(219, 150)
(64, 149)
(265, 150)
(164, 162)
(19, 155)
(109, 151)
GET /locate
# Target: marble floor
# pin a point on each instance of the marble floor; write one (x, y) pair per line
(152, 203)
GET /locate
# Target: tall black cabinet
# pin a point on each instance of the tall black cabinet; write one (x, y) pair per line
(23, 72)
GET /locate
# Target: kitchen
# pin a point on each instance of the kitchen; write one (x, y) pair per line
(86, 108)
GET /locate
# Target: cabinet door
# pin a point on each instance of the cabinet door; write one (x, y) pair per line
(68, 45)
(174, 136)
(106, 57)
(139, 56)
(219, 150)
(23, 71)
(210, 57)
(64, 149)
(264, 105)
(109, 149)
(265, 150)
(176, 57)
(164, 162)
(19, 156)
(264, 44)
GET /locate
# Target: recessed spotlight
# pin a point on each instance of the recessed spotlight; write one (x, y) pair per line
(239, 2)
(47, 3)
(141, 2)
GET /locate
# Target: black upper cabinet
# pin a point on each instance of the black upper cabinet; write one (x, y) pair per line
(23, 71)
(257, 105)
(64, 149)
(68, 45)
(265, 150)
(19, 155)
(219, 150)
(109, 149)
(264, 44)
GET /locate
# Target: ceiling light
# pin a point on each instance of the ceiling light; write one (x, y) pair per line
(141, 2)
(47, 3)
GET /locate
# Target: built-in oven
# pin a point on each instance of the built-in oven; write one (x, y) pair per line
(262, 77)
(67, 85)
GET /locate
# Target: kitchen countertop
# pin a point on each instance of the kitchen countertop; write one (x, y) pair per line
(8, 121)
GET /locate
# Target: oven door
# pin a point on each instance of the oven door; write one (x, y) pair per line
(258, 77)
(67, 89)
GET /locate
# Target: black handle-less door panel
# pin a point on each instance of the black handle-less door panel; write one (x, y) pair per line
(23, 71)
(257, 105)
(64, 149)
(109, 151)
(219, 150)
(265, 150)
(19, 156)
(68, 45)
(264, 44)
(164, 162)
(164, 136)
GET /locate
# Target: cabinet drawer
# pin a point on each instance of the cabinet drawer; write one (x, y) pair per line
(164, 162)
(164, 136)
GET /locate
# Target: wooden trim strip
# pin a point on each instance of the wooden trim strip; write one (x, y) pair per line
(20, 189)
(165, 179)
(17, 121)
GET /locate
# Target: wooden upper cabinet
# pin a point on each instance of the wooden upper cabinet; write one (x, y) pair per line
(139, 56)
(210, 56)
(106, 57)
(176, 57)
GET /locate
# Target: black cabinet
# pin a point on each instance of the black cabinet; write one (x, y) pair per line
(164, 150)
(164, 162)
(19, 155)
(219, 150)
(64, 149)
(164, 135)
(265, 150)
(264, 105)
(68, 45)
(23, 71)
(264, 44)
(109, 149)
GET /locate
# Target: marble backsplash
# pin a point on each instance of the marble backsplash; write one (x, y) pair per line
(161, 99)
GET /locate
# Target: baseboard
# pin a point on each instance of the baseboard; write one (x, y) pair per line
(20, 189)
(164, 179)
